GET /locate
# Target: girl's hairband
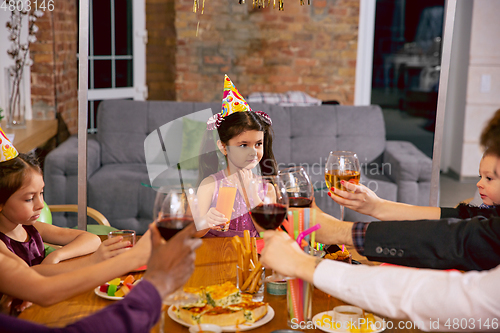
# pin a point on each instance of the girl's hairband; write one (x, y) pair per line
(215, 121)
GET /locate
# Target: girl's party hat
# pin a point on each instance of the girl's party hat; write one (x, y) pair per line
(232, 102)
(8, 151)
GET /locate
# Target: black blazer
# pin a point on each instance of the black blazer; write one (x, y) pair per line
(467, 244)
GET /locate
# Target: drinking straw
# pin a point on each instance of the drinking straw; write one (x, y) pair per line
(343, 248)
(301, 236)
(289, 299)
(295, 305)
(313, 235)
(301, 298)
(295, 224)
(301, 221)
(306, 222)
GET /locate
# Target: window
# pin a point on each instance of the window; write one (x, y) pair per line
(117, 39)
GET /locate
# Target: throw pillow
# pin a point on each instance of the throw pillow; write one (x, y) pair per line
(192, 136)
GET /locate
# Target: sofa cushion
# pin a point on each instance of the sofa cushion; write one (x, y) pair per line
(122, 141)
(362, 130)
(192, 137)
(117, 192)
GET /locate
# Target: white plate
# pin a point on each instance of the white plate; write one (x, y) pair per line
(379, 323)
(242, 327)
(106, 296)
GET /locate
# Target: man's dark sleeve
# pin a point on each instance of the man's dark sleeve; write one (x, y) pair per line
(472, 244)
(138, 312)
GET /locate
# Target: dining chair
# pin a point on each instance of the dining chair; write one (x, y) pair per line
(102, 228)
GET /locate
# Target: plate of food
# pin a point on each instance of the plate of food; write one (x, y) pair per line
(225, 306)
(116, 289)
(324, 321)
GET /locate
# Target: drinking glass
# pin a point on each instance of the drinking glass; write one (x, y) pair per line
(172, 213)
(269, 204)
(225, 200)
(299, 187)
(341, 165)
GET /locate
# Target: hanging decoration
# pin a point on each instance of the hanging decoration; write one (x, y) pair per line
(255, 3)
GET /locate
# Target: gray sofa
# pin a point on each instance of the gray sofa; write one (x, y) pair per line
(119, 186)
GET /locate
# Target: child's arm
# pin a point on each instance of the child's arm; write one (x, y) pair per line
(209, 216)
(110, 248)
(25, 283)
(74, 243)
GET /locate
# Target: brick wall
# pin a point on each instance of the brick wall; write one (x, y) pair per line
(54, 80)
(307, 48)
(160, 50)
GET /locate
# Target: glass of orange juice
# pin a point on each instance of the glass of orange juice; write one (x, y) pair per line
(225, 200)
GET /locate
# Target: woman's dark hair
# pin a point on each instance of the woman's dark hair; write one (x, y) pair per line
(233, 125)
(13, 172)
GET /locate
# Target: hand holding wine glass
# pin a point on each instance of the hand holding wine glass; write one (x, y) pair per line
(341, 166)
(173, 213)
(269, 213)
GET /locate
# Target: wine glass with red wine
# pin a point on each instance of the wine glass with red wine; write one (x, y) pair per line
(269, 202)
(299, 187)
(172, 213)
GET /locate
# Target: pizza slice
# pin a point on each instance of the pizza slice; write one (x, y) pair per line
(253, 311)
(192, 314)
(223, 294)
(223, 316)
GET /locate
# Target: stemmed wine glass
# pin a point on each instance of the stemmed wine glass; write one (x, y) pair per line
(341, 165)
(269, 205)
(299, 187)
(172, 213)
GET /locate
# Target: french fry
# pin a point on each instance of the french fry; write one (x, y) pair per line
(246, 263)
(252, 275)
(240, 265)
(246, 240)
(255, 255)
(252, 265)
(255, 281)
(238, 240)
(235, 243)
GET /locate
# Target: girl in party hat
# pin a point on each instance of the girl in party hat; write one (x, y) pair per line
(22, 236)
(245, 139)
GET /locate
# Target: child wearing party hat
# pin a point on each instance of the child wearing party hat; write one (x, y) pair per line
(22, 236)
(245, 139)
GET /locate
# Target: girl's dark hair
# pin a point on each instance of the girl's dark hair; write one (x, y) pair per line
(233, 125)
(13, 172)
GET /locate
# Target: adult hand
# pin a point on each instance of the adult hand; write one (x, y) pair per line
(284, 255)
(171, 263)
(357, 197)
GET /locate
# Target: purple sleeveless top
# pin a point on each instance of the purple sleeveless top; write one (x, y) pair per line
(32, 251)
(240, 219)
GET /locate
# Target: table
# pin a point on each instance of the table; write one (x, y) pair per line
(215, 263)
(36, 133)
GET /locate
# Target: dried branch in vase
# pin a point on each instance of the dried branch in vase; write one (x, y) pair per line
(19, 52)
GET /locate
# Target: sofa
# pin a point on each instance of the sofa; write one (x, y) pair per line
(120, 187)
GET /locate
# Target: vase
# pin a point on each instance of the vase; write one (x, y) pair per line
(16, 106)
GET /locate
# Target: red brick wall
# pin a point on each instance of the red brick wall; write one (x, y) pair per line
(160, 50)
(307, 48)
(54, 81)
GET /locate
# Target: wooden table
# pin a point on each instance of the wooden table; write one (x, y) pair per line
(215, 263)
(36, 133)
